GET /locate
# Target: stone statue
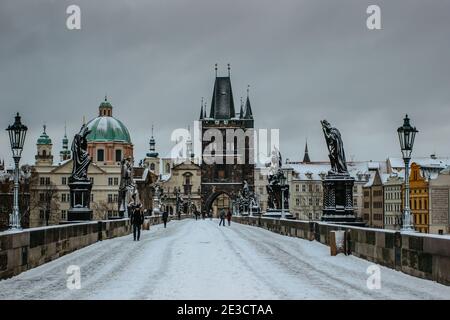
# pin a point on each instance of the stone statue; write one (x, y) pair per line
(80, 156)
(274, 180)
(127, 187)
(335, 148)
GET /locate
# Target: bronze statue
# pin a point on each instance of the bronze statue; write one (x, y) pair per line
(335, 148)
(80, 156)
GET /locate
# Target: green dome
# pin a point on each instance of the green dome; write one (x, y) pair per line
(44, 138)
(107, 129)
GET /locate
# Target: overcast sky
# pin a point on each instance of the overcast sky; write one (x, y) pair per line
(305, 61)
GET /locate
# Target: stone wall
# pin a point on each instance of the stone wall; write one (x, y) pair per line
(29, 248)
(421, 255)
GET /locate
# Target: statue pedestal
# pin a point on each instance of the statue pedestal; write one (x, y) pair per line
(80, 199)
(338, 199)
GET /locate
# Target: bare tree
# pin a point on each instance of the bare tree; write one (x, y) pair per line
(44, 198)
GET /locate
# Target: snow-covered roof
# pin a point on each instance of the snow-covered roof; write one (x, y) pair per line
(435, 162)
(314, 170)
(165, 177)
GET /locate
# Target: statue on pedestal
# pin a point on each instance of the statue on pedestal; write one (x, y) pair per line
(80, 156)
(79, 183)
(337, 184)
(335, 148)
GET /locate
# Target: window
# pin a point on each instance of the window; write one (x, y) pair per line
(297, 201)
(110, 198)
(310, 201)
(92, 180)
(167, 167)
(42, 197)
(303, 188)
(44, 181)
(317, 201)
(310, 188)
(116, 181)
(152, 166)
(118, 155)
(63, 214)
(116, 198)
(63, 180)
(100, 155)
(297, 188)
(63, 198)
(110, 181)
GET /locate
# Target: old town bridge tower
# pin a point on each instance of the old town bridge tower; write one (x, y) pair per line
(227, 146)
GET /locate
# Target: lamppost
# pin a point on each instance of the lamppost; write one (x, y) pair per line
(406, 135)
(17, 132)
(282, 182)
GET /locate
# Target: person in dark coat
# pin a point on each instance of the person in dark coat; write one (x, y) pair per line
(222, 217)
(137, 219)
(229, 216)
(165, 216)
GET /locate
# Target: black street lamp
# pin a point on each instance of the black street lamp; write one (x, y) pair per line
(17, 132)
(406, 135)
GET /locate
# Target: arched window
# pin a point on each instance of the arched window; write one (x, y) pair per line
(44, 153)
(152, 166)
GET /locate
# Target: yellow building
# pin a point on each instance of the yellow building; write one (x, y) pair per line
(419, 199)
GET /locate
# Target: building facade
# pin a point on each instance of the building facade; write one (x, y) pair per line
(373, 211)
(393, 204)
(227, 147)
(419, 199)
(439, 195)
(108, 143)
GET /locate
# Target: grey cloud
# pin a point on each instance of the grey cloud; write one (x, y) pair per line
(305, 61)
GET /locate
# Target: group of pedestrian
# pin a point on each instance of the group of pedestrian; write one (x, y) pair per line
(224, 215)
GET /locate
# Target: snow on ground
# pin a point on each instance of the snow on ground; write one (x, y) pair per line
(200, 260)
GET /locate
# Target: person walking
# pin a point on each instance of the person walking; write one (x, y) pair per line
(137, 219)
(165, 216)
(196, 215)
(210, 214)
(222, 217)
(229, 217)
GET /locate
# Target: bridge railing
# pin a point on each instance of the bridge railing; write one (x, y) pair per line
(422, 255)
(29, 248)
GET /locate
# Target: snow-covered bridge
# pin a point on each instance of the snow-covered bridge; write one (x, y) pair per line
(200, 260)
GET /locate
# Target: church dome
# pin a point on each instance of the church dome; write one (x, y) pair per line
(106, 128)
(44, 138)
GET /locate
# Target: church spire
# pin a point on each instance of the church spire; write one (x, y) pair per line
(306, 158)
(241, 112)
(201, 110)
(152, 143)
(248, 108)
(222, 104)
(65, 152)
